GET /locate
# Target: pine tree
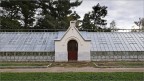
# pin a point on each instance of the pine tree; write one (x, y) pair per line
(94, 19)
(57, 14)
(27, 9)
(9, 15)
(16, 12)
(87, 24)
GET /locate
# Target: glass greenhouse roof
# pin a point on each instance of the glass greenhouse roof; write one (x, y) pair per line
(44, 41)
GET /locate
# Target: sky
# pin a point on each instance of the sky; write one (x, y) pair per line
(123, 12)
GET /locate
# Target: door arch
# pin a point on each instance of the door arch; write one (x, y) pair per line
(72, 48)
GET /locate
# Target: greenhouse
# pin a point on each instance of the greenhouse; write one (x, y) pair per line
(71, 45)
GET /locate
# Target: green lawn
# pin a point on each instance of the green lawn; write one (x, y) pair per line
(78, 76)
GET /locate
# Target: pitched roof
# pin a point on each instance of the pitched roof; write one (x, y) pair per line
(72, 25)
(117, 41)
(44, 41)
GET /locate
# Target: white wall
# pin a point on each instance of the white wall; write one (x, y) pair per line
(61, 53)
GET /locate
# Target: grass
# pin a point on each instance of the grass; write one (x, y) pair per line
(24, 63)
(99, 64)
(72, 64)
(120, 64)
(79, 76)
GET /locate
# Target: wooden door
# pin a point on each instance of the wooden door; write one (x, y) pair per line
(72, 50)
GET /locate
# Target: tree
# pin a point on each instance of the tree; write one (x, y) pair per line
(98, 13)
(134, 29)
(57, 14)
(9, 15)
(54, 14)
(95, 18)
(140, 24)
(27, 10)
(18, 12)
(113, 26)
(7, 23)
(86, 23)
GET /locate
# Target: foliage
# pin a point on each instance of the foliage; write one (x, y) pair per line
(94, 19)
(98, 13)
(22, 11)
(82, 76)
(23, 14)
(57, 14)
(8, 23)
(113, 26)
(9, 15)
(140, 23)
(87, 24)
(27, 9)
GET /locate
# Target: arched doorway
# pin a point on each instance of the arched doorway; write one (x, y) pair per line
(72, 50)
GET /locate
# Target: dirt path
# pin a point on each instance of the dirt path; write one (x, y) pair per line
(74, 69)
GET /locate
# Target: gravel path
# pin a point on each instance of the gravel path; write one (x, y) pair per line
(74, 69)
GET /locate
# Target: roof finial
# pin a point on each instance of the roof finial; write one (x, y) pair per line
(72, 23)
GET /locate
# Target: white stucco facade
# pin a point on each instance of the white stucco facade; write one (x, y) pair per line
(61, 52)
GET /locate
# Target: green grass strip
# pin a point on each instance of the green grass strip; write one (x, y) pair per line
(70, 76)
